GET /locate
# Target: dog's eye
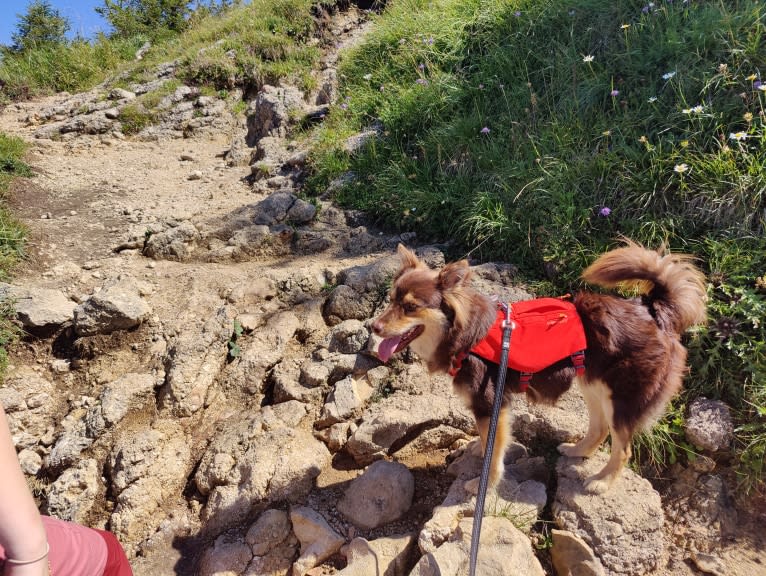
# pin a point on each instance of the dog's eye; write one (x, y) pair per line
(409, 307)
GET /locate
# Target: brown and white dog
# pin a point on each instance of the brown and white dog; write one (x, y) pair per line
(634, 363)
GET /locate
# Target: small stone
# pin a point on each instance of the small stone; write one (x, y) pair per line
(708, 563)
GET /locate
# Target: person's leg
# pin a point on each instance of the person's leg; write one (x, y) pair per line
(116, 561)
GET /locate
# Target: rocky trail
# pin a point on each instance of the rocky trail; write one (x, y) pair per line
(196, 374)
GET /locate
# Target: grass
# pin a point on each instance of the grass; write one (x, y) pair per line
(246, 46)
(11, 234)
(541, 131)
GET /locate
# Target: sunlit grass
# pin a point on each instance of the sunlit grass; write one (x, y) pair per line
(541, 131)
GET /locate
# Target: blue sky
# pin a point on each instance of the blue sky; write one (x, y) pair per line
(82, 17)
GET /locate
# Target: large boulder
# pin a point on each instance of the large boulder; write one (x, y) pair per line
(623, 527)
(382, 494)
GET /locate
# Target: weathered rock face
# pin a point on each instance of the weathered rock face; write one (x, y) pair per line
(146, 468)
(388, 425)
(385, 556)
(571, 555)
(241, 472)
(193, 362)
(74, 493)
(270, 112)
(623, 527)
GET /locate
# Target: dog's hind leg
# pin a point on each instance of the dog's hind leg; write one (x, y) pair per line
(598, 400)
(502, 441)
(620, 453)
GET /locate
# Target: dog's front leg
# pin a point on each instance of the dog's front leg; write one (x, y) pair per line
(502, 441)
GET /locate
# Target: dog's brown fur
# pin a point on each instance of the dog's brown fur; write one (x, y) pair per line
(635, 361)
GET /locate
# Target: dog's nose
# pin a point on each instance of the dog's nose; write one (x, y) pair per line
(377, 327)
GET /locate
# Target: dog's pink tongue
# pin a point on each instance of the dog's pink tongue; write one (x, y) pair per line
(387, 347)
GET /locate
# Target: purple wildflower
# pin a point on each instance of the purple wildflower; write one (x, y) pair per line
(481, 86)
(421, 81)
(421, 66)
(484, 130)
(614, 93)
(430, 41)
(382, 88)
(344, 106)
(757, 84)
(517, 13)
(604, 211)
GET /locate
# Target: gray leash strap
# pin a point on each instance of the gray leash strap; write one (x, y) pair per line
(484, 478)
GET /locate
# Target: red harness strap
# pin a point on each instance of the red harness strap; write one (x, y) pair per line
(545, 331)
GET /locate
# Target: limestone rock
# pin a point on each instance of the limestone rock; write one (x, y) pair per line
(175, 243)
(623, 527)
(146, 467)
(501, 546)
(318, 540)
(126, 393)
(271, 528)
(346, 397)
(118, 306)
(382, 494)
(385, 556)
(73, 494)
(225, 558)
(39, 309)
(271, 111)
(571, 555)
(709, 425)
(242, 472)
(193, 361)
(273, 544)
(387, 423)
(348, 337)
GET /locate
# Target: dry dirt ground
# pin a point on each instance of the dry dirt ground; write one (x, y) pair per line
(90, 192)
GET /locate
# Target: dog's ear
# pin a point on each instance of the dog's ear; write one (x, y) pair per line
(409, 259)
(454, 274)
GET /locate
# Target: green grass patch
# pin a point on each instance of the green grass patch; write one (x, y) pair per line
(12, 234)
(541, 131)
(72, 67)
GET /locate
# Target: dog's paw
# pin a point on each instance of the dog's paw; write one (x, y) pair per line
(596, 485)
(472, 486)
(571, 450)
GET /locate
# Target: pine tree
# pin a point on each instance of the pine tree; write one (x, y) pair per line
(150, 17)
(41, 25)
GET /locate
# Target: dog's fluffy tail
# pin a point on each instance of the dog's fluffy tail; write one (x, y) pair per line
(674, 288)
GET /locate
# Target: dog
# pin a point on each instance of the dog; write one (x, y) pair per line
(634, 360)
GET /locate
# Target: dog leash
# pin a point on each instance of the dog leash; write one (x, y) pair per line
(484, 478)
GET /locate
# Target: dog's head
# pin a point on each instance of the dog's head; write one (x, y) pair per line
(428, 310)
